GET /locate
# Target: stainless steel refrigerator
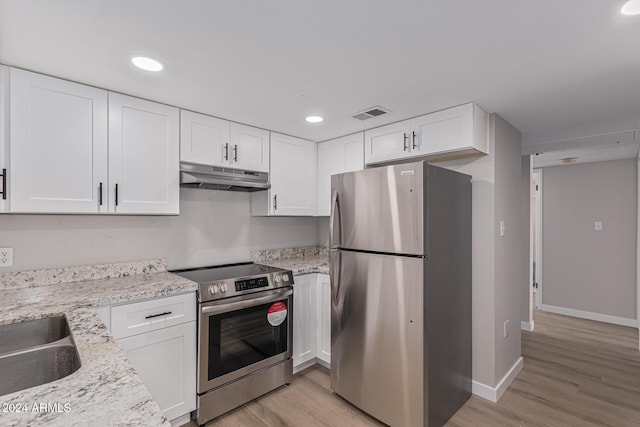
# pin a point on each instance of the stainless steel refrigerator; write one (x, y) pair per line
(400, 239)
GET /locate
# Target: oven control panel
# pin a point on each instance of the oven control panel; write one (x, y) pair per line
(257, 282)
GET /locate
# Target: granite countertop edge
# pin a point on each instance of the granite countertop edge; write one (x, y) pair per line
(106, 390)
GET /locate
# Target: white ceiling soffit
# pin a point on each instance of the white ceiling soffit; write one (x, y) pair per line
(613, 146)
(540, 64)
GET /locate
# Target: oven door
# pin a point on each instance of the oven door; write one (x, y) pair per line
(243, 334)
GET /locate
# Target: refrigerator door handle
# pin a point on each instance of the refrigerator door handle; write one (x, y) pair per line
(334, 279)
(335, 214)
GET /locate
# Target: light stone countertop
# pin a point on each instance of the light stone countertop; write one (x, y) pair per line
(105, 391)
(301, 265)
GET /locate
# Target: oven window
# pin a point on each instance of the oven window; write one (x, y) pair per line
(243, 337)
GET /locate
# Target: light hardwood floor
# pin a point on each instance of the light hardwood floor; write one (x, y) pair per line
(576, 373)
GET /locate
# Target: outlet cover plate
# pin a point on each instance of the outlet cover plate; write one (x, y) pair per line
(6, 257)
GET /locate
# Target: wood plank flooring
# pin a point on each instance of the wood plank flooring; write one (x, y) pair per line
(576, 373)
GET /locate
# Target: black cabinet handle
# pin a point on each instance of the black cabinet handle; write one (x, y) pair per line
(413, 143)
(405, 147)
(100, 194)
(116, 194)
(157, 315)
(275, 202)
(235, 153)
(226, 151)
(4, 184)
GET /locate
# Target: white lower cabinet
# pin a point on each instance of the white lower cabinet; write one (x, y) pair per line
(311, 320)
(163, 359)
(323, 318)
(304, 319)
(159, 339)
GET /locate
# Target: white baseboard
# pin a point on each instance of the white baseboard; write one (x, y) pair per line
(323, 363)
(180, 421)
(590, 316)
(495, 393)
(527, 326)
(304, 365)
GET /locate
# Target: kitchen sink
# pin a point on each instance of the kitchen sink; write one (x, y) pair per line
(22, 335)
(36, 352)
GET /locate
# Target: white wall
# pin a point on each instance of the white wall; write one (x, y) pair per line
(496, 265)
(214, 227)
(510, 248)
(482, 169)
(526, 192)
(583, 269)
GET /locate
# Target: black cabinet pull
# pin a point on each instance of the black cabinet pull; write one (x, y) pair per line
(226, 151)
(157, 315)
(116, 194)
(100, 194)
(405, 147)
(275, 202)
(4, 184)
(414, 140)
(235, 153)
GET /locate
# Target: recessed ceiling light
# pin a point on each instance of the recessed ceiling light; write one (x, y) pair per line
(632, 7)
(314, 119)
(147, 64)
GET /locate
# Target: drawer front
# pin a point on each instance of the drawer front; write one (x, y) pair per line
(140, 317)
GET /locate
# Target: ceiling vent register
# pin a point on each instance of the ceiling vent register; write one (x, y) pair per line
(370, 113)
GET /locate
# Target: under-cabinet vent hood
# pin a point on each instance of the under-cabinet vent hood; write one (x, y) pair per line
(217, 178)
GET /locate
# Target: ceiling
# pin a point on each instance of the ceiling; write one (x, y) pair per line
(540, 64)
(596, 148)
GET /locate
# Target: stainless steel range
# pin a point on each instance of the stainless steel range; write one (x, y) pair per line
(244, 334)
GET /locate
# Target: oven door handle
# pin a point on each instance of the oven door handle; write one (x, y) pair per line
(223, 307)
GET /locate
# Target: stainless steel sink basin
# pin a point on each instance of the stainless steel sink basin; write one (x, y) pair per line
(36, 352)
(18, 336)
(30, 368)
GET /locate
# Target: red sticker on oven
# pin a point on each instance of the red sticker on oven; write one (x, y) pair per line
(277, 313)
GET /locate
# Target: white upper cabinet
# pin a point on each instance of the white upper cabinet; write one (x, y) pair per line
(4, 137)
(144, 156)
(210, 141)
(293, 179)
(57, 145)
(388, 142)
(249, 148)
(204, 140)
(454, 132)
(345, 154)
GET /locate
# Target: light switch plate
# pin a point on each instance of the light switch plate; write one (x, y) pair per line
(597, 226)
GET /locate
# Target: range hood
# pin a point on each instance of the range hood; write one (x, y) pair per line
(218, 178)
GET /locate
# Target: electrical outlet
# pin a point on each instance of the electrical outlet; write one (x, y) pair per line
(6, 257)
(506, 328)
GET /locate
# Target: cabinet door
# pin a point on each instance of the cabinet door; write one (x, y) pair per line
(339, 155)
(293, 176)
(323, 316)
(304, 319)
(143, 156)
(249, 148)
(166, 361)
(204, 140)
(58, 145)
(444, 131)
(387, 143)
